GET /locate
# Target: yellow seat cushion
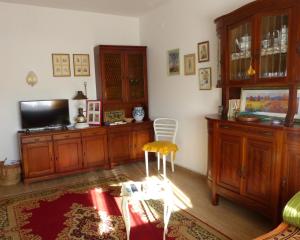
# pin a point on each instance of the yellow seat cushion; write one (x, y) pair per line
(162, 147)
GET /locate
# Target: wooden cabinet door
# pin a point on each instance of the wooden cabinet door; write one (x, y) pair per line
(291, 171)
(95, 151)
(258, 170)
(37, 159)
(140, 138)
(230, 161)
(68, 155)
(119, 147)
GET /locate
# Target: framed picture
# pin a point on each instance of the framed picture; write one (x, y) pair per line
(268, 102)
(203, 51)
(81, 63)
(205, 78)
(173, 62)
(190, 64)
(93, 112)
(114, 116)
(61, 65)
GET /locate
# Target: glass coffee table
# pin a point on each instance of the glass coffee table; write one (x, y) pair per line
(147, 190)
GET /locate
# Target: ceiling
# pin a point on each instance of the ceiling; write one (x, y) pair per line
(134, 8)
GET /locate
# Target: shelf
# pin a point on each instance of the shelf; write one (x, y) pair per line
(240, 55)
(273, 51)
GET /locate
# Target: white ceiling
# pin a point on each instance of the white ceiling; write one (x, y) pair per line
(134, 8)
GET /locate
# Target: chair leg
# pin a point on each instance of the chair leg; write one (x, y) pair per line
(164, 163)
(172, 161)
(146, 163)
(158, 161)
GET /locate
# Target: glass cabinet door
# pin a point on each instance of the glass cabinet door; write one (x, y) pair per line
(113, 76)
(273, 46)
(240, 46)
(135, 74)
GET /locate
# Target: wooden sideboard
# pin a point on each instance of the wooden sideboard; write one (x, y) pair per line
(50, 154)
(257, 165)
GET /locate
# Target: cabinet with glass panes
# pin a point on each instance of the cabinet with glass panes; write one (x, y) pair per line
(260, 48)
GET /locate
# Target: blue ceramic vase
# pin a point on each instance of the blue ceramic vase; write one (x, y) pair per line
(138, 114)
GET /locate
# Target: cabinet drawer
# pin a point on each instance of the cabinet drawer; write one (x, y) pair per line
(93, 132)
(261, 132)
(66, 136)
(229, 127)
(36, 139)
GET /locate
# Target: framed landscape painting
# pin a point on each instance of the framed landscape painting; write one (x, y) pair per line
(269, 102)
(173, 62)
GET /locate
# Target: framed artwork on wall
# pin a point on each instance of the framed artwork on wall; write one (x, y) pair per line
(81, 64)
(189, 64)
(205, 78)
(203, 51)
(61, 65)
(93, 112)
(173, 62)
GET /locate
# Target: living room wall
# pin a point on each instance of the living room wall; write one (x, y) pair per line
(182, 24)
(29, 35)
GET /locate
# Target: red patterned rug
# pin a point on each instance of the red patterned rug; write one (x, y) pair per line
(91, 210)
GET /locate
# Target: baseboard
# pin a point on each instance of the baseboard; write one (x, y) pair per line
(186, 170)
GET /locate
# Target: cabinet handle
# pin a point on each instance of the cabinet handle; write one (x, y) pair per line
(225, 127)
(37, 139)
(67, 136)
(283, 182)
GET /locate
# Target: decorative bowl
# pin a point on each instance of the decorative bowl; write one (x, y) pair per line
(128, 120)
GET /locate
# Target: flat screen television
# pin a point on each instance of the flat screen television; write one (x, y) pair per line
(44, 113)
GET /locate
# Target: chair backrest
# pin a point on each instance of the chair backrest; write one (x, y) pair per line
(165, 129)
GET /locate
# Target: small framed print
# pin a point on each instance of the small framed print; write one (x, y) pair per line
(203, 51)
(173, 62)
(205, 78)
(81, 63)
(189, 64)
(93, 112)
(61, 65)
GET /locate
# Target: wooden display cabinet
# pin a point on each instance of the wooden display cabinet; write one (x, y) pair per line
(121, 73)
(256, 164)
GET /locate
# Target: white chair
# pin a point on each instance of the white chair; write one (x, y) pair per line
(165, 130)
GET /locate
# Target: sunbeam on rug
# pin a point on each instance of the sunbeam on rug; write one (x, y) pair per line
(92, 210)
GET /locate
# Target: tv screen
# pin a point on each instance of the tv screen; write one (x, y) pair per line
(45, 113)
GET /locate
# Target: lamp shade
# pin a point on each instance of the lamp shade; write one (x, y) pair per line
(79, 96)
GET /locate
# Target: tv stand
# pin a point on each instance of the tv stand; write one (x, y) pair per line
(53, 153)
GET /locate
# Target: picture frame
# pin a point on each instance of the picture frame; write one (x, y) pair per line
(190, 64)
(203, 51)
(61, 65)
(113, 116)
(267, 102)
(93, 112)
(81, 65)
(173, 62)
(205, 78)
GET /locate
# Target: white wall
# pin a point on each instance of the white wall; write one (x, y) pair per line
(182, 24)
(28, 37)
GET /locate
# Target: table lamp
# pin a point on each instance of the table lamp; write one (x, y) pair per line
(80, 119)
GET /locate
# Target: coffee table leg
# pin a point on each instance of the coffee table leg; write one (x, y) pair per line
(126, 215)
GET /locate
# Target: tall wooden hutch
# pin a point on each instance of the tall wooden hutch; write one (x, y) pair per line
(257, 164)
